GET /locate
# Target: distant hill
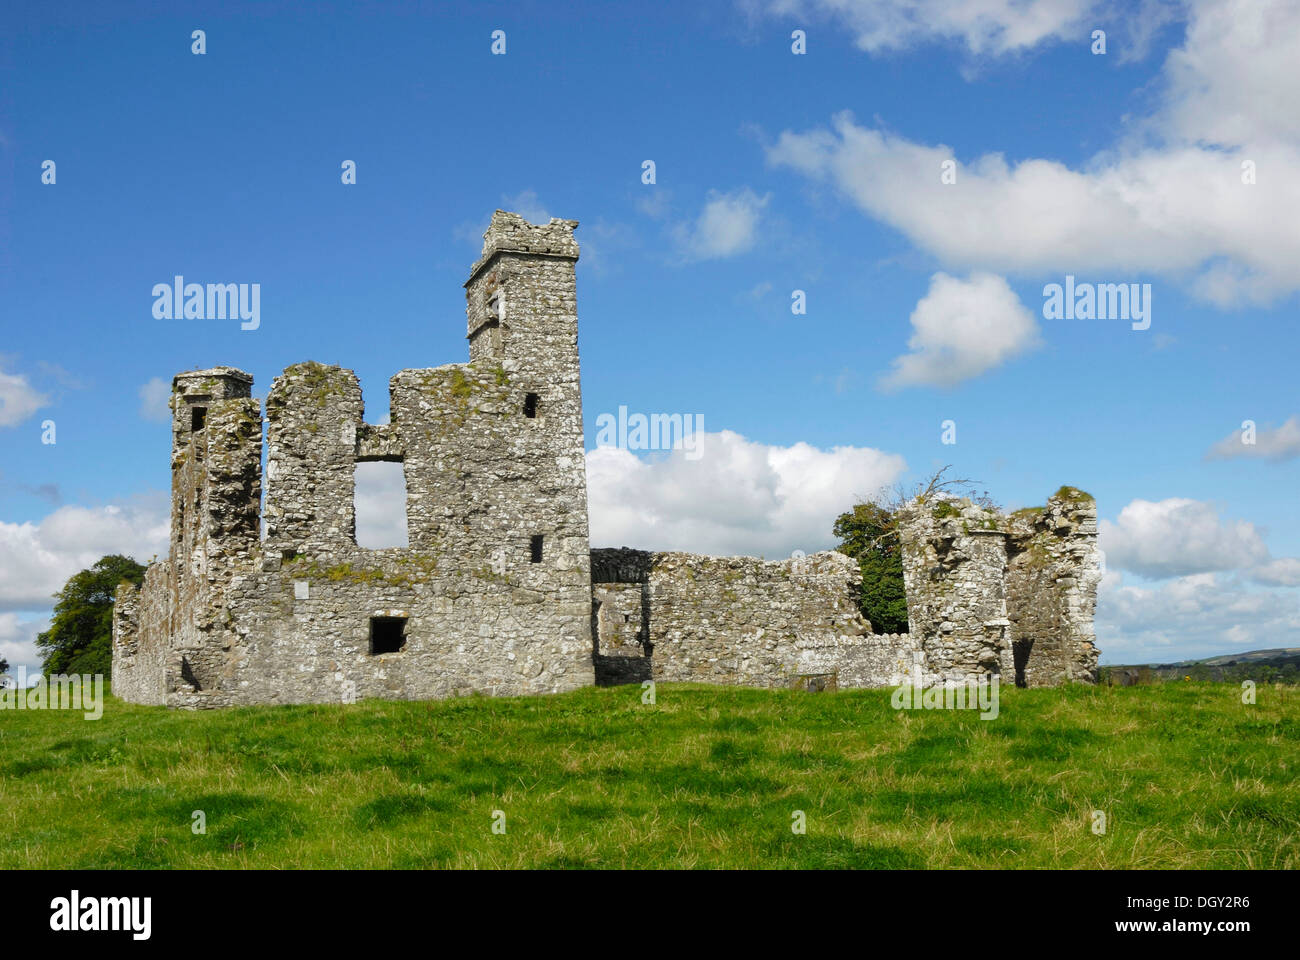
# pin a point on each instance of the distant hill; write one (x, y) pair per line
(1280, 664)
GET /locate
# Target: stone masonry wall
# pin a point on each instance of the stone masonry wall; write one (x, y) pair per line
(1012, 595)
(1053, 571)
(737, 620)
(498, 590)
(494, 592)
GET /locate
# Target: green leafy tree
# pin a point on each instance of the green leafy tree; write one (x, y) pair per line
(867, 534)
(4, 665)
(80, 638)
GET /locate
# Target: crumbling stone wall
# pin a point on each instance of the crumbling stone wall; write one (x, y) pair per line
(739, 620)
(498, 590)
(494, 592)
(1053, 571)
(1012, 595)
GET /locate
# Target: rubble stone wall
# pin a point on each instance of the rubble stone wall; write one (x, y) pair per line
(498, 590)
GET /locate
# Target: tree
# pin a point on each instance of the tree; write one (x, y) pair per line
(80, 638)
(4, 665)
(869, 534)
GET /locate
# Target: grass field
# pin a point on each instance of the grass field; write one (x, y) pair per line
(1186, 774)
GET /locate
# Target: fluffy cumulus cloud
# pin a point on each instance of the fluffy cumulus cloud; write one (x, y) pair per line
(1177, 537)
(738, 497)
(1281, 572)
(18, 642)
(1200, 615)
(960, 329)
(1179, 208)
(727, 225)
(18, 399)
(155, 400)
(981, 26)
(37, 558)
(1266, 443)
(1206, 585)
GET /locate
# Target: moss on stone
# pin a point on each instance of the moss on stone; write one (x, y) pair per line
(1073, 495)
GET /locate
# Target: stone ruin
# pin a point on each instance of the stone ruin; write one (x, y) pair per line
(499, 591)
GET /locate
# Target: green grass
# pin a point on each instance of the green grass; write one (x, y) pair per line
(1187, 775)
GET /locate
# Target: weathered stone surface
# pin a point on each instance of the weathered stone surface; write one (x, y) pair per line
(498, 590)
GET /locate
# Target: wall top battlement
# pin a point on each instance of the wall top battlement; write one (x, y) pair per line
(510, 233)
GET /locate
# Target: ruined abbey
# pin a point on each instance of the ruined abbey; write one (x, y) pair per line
(499, 591)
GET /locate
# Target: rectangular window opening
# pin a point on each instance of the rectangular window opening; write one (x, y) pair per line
(379, 498)
(387, 635)
(198, 416)
(536, 548)
(530, 406)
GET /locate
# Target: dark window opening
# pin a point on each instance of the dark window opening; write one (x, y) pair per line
(536, 547)
(198, 415)
(387, 634)
(530, 405)
(1020, 650)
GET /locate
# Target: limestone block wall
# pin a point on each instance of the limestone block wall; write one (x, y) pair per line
(737, 620)
(954, 560)
(1053, 571)
(494, 592)
(1012, 595)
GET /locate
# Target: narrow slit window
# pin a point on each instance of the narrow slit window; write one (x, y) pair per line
(536, 549)
(387, 635)
(530, 406)
(198, 416)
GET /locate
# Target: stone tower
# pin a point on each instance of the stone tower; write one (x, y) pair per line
(493, 591)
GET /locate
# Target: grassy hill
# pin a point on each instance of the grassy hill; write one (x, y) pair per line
(1187, 775)
(1278, 665)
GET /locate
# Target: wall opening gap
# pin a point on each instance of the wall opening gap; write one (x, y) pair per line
(387, 635)
(530, 405)
(535, 549)
(380, 500)
(198, 417)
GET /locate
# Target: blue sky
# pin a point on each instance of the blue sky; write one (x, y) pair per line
(774, 172)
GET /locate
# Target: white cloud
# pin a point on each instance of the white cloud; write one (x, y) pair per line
(1282, 443)
(1281, 572)
(36, 559)
(1188, 617)
(727, 225)
(982, 26)
(526, 204)
(960, 329)
(18, 399)
(1233, 80)
(739, 497)
(18, 642)
(1174, 211)
(1179, 209)
(1178, 537)
(155, 400)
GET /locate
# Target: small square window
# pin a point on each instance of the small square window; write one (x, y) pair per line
(387, 635)
(530, 406)
(198, 416)
(536, 547)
